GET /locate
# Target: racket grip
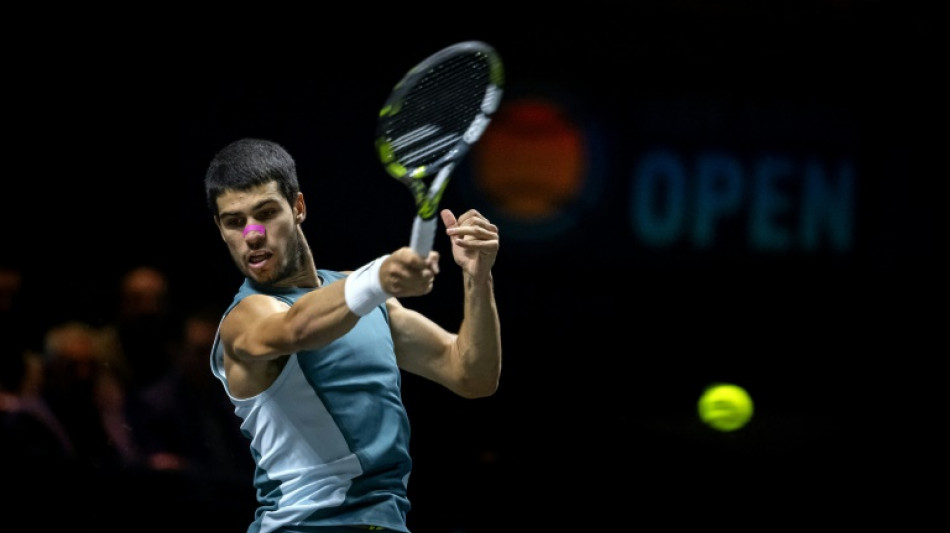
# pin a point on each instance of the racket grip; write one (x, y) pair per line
(423, 233)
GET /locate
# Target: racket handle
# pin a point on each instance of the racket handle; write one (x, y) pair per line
(423, 233)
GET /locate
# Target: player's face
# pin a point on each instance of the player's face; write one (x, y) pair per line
(273, 250)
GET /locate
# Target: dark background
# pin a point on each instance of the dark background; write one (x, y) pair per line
(608, 342)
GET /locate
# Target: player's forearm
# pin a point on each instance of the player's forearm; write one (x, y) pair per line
(479, 340)
(320, 317)
(326, 314)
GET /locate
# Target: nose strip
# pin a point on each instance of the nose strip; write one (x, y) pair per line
(254, 227)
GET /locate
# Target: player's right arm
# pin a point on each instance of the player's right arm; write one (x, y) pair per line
(261, 330)
(262, 327)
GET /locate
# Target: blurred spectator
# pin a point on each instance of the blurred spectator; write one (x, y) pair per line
(31, 436)
(29, 428)
(35, 451)
(144, 325)
(191, 437)
(85, 393)
(184, 421)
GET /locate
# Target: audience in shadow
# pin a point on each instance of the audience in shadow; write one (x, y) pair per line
(121, 414)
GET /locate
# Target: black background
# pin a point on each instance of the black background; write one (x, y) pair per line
(607, 343)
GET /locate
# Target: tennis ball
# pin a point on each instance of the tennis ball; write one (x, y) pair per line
(725, 406)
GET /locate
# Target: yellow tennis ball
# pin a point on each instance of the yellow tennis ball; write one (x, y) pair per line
(725, 406)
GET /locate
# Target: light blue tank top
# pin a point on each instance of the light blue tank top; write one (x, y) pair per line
(330, 437)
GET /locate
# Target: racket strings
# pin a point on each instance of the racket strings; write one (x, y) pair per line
(437, 110)
(432, 150)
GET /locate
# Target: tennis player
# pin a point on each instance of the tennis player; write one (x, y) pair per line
(311, 358)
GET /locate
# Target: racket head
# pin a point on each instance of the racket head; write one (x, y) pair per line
(435, 113)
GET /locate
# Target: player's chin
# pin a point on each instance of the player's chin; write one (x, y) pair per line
(261, 273)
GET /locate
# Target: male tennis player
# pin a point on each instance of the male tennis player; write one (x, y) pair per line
(311, 358)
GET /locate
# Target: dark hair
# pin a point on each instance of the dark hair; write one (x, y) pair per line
(247, 163)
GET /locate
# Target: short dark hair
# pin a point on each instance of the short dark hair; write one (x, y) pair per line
(247, 163)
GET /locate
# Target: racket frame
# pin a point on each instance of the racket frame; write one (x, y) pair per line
(428, 196)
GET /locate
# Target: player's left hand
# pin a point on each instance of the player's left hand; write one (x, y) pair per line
(474, 242)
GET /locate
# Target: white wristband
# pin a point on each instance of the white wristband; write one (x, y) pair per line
(363, 291)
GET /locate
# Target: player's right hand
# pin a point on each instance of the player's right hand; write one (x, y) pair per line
(404, 273)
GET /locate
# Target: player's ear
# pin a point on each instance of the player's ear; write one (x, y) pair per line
(300, 208)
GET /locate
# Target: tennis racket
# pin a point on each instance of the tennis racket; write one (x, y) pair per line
(432, 117)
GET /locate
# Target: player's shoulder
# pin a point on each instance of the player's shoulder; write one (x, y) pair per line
(256, 304)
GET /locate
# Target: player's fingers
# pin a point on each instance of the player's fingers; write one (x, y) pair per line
(479, 222)
(486, 232)
(481, 245)
(404, 281)
(432, 261)
(471, 213)
(471, 216)
(448, 218)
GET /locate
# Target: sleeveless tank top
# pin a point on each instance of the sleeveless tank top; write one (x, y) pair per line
(330, 436)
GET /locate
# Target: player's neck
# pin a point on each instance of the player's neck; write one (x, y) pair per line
(305, 277)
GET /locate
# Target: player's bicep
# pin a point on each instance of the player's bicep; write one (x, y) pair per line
(256, 329)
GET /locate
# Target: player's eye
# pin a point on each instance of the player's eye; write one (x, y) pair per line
(233, 223)
(267, 214)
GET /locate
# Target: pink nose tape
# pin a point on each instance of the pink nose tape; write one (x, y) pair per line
(254, 227)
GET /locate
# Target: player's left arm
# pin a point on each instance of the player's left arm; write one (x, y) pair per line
(468, 362)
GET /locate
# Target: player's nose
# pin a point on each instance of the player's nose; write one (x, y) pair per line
(254, 230)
